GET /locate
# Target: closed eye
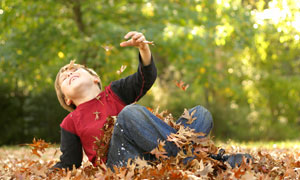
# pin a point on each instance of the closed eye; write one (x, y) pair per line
(64, 75)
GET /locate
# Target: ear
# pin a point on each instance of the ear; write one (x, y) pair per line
(68, 101)
(96, 80)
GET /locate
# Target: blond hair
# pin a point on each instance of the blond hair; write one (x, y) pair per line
(59, 93)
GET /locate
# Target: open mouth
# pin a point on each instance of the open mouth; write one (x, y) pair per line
(72, 79)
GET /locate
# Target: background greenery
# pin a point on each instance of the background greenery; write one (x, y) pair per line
(241, 59)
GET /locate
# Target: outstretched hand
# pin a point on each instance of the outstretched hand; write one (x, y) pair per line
(137, 39)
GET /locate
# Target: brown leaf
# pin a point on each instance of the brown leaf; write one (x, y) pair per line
(189, 116)
(38, 146)
(204, 170)
(160, 151)
(102, 143)
(141, 163)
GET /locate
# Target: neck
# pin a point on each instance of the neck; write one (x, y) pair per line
(87, 96)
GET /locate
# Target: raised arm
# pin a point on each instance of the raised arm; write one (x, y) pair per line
(71, 149)
(135, 86)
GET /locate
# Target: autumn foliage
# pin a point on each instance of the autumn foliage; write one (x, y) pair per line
(271, 164)
(38, 146)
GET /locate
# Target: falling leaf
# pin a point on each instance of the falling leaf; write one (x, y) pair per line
(38, 146)
(123, 67)
(71, 64)
(107, 47)
(181, 85)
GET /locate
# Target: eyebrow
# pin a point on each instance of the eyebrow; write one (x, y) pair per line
(61, 76)
(64, 70)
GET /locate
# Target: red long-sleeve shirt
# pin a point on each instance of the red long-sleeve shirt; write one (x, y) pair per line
(80, 127)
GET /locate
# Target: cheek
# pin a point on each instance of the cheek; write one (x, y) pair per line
(64, 88)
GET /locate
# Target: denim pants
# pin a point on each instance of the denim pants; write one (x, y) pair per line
(137, 130)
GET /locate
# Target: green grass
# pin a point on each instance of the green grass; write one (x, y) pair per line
(261, 144)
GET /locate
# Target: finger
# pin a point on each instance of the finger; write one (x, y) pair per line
(137, 36)
(131, 33)
(126, 43)
(141, 39)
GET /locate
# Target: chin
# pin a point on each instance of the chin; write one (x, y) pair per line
(80, 86)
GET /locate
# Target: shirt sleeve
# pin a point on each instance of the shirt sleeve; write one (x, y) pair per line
(71, 149)
(135, 86)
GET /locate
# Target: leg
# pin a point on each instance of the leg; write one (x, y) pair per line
(203, 123)
(135, 134)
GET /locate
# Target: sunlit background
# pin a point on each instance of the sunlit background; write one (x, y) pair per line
(239, 58)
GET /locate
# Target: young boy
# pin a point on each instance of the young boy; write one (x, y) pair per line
(136, 131)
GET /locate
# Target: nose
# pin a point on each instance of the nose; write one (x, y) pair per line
(70, 74)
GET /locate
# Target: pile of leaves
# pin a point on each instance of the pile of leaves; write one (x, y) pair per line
(267, 164)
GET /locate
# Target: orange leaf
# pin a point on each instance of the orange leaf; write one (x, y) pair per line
(181, 85)
(38, 146)
(160, 151)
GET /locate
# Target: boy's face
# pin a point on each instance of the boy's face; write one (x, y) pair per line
(74, 82)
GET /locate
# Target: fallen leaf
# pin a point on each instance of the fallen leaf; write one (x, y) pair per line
(189, 116)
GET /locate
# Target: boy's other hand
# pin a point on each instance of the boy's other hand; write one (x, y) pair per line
(137, 40)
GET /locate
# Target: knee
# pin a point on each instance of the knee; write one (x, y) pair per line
(129, 113)
(205, 114)
(129, 110)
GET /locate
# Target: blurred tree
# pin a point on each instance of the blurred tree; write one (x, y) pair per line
(240, 57)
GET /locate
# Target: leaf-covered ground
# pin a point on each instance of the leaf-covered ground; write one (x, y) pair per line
(271, 161)
(278, 161)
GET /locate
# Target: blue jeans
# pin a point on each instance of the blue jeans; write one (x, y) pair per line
(137, 130)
